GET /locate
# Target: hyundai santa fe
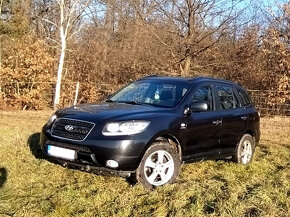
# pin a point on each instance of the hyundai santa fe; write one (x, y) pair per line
(151, 126)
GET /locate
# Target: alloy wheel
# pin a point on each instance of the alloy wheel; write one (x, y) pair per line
(246, 152)
(159, 167)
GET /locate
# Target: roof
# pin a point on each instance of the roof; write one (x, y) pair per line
(209, 79)
(166, 78)
(187, 80)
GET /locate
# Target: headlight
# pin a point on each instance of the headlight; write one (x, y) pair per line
(125, 128)
(51, 119)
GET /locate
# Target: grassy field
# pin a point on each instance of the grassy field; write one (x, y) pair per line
(30, 186)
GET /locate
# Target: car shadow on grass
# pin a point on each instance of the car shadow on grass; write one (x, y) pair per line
(33, 143)
(3, 176)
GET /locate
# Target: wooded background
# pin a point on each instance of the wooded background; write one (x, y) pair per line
(105, 44)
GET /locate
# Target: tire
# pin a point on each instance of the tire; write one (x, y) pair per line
(245, 150)
(159, 165)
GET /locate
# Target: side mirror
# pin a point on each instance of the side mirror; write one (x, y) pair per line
(196, 107)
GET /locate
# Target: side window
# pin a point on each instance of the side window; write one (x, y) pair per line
(203, 94)
(226, 97)
(245, 98)
(237, 99)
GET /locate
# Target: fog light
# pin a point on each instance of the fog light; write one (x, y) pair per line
(112, 163)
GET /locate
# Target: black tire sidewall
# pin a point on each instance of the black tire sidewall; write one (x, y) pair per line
(140, 174)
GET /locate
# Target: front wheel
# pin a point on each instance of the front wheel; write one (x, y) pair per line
(159, 165)
(245, 150)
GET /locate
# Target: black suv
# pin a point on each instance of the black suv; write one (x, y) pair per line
(146, 129)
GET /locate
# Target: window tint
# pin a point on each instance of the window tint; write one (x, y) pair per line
(226, 97)
(133, 92)
(154, 93)
(244, 96)
(237, 99)
(203, 94)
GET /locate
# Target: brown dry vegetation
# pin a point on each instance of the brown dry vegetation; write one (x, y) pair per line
(32, 186)
(121, 40)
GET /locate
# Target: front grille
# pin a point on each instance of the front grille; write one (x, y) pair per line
(78, 130)
(68, 146)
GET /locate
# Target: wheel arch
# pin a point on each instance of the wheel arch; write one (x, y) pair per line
(167, 137)
(249, 132)
(172, 140)
(252, 133)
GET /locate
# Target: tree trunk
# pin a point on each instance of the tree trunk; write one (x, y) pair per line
(61, 58)
(186, 68)
(135, 31)
(59, 76)
(108, 28)
(189, 40)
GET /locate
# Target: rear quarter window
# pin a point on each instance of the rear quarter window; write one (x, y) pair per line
(246, 101)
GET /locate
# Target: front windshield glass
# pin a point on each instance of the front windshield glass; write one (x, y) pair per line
(155, 93)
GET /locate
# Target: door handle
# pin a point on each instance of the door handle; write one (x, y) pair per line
(217, 122)
(244, 118)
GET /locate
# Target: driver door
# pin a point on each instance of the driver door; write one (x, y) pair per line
(203, 128)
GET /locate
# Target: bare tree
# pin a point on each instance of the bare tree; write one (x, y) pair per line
(279, 19)
(196, 25)
(70, 13)
(108, 26)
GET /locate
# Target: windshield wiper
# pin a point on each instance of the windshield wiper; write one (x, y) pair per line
(143, 103)
(109, 100)
(132, 102)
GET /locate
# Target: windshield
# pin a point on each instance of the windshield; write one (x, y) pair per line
(155, 93)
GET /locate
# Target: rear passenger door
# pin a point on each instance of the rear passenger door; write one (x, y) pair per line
(233, 116)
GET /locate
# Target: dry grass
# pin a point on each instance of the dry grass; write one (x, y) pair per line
(35, 187)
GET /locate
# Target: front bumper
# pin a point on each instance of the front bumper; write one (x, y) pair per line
(93, 154)
(91, 168)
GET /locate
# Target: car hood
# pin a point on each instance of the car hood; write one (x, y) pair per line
(106, 111)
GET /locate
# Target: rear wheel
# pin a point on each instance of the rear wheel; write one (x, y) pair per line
(159, 165)
(245, 150)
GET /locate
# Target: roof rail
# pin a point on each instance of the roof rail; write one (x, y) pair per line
(211, 79)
